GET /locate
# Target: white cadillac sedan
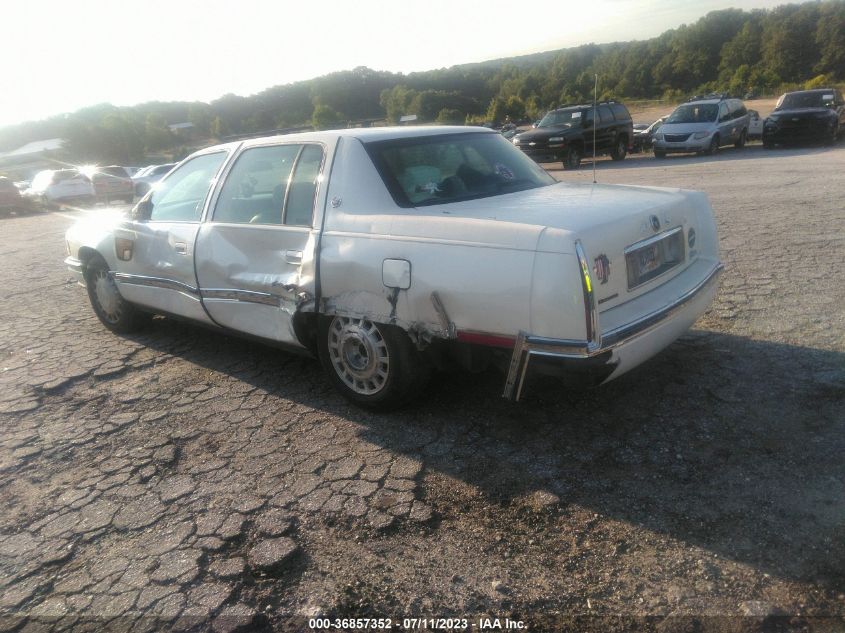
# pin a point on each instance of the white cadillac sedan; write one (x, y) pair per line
(389, 252)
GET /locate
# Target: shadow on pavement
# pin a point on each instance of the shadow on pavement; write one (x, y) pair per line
(728, 443)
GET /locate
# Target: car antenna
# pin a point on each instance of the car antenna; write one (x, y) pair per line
(595, 121)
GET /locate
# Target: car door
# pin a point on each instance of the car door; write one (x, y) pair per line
(606, 130)
(726, 124)
(255, 252)
(155, 251)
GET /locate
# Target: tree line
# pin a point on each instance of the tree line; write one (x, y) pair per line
(734, 51)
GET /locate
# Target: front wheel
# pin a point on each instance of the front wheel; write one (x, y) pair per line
(714, 147)
(373, 365)
(740, 143)
(572, 160)
(620, 151)
(115, 312)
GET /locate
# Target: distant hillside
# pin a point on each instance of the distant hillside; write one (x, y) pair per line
(730, 50)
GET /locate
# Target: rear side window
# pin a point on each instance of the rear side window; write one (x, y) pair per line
(605, 115)
(620, 112)
(271, 185)
(299, 206)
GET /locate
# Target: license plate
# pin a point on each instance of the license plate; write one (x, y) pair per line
(654, 257)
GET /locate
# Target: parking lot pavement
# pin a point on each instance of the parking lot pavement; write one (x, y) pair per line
(193, 479)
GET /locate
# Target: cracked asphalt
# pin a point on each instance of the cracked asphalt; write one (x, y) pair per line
(181, 479)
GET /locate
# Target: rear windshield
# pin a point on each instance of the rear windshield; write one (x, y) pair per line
(453, 167)
(694, 113)
(805, 100)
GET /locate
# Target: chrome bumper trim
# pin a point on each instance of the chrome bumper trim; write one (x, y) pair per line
(73, 265)
(528, 346)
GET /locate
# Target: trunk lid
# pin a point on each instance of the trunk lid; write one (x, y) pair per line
(608, 219)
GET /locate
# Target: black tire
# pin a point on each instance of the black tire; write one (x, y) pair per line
(572, 159)
(713, 149)
(350, 350)
(834, 136)
(741, 141)
(115, 312)
(659, 154)
(620, 151)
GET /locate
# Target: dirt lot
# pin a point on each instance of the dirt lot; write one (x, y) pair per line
(185, 479)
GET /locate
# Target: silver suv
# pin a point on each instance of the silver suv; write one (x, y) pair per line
(703, 125)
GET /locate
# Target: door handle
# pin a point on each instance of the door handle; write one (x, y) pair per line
(181, 248)
(293, 257)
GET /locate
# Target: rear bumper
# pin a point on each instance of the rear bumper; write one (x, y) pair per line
(618, 349)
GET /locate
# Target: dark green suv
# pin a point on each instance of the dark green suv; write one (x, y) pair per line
(566, 134)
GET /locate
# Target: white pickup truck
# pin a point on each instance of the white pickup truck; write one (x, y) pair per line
(389, 252)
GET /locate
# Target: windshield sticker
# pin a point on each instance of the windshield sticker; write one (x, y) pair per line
(503, 170)
(827, 97)
(576, 115)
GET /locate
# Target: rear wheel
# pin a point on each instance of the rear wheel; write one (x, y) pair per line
(373, 365)
(620, 151)
(115, 312)
(572, 160)
(741, 141)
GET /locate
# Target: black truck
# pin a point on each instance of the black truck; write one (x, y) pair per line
(566, 134)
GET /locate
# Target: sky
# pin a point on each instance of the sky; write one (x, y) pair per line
(61, 55)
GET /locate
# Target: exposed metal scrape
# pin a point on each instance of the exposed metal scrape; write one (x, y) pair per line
(443, 316)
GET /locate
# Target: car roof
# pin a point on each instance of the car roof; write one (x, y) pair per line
(367, 135)
(795, 92)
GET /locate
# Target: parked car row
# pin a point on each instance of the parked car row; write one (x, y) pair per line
(84, 185)
(703, 125)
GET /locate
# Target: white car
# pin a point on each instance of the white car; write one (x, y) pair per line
(755, 125)
(54, 186)
(388, 252)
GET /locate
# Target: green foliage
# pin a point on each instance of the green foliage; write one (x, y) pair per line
(325, 118)
(450, 116)
(764, 51)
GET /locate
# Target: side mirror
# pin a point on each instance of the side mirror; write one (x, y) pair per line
(143, 210)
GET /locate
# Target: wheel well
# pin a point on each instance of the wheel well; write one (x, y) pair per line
(87, 255)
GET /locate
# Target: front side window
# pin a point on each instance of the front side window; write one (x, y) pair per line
(180, 197)
(452, 167)
(605, 115)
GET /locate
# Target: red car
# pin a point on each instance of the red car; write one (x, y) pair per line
(10, 197)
